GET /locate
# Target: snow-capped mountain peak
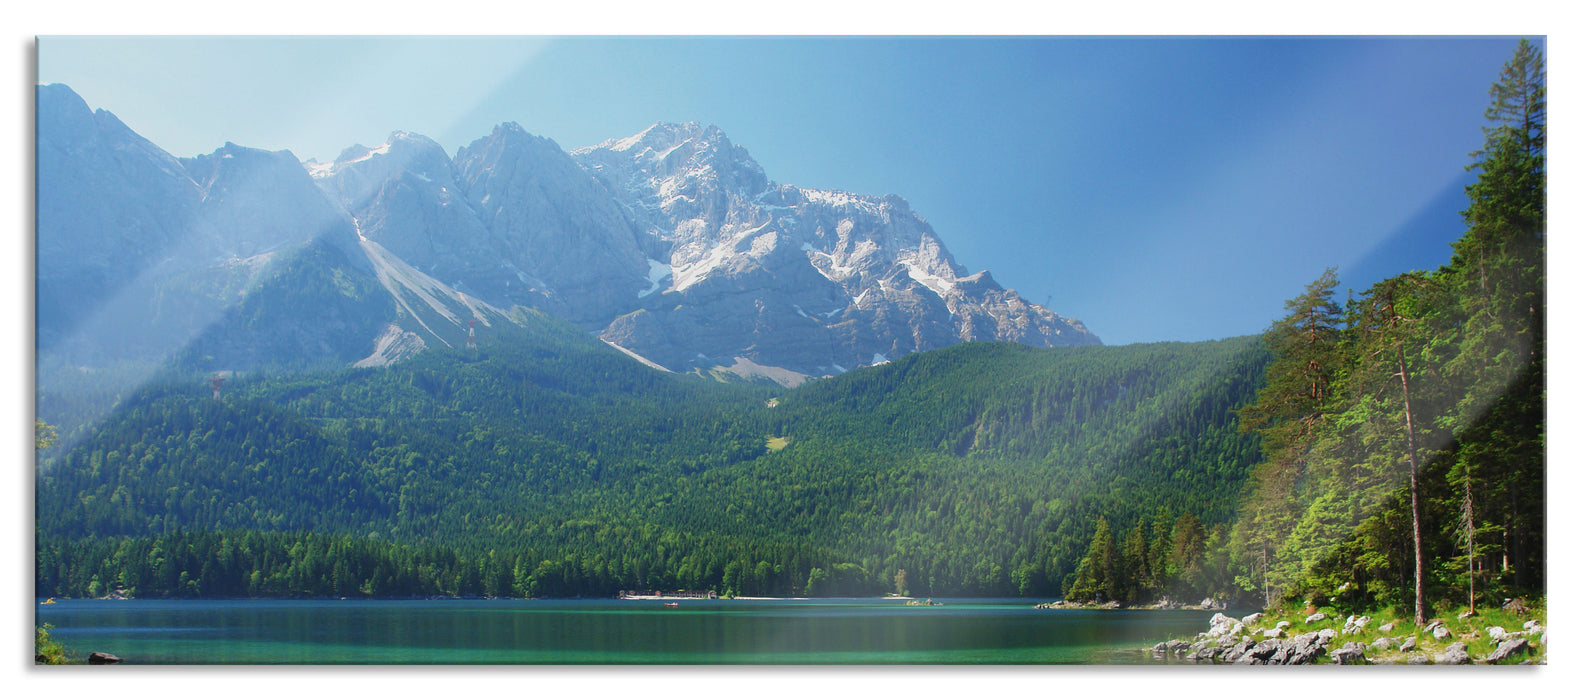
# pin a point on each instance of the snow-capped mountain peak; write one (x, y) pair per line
(882, 281)
(672, 243)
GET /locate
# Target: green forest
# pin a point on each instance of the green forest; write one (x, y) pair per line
(545, 463)
(1386, 449)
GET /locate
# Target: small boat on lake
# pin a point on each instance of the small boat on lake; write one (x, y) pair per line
(672, 605)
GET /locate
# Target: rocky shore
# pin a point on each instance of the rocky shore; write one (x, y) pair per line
(1161, 604)
(1322, 638)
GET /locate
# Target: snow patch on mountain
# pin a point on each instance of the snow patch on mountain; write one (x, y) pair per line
(939, 285)
(658, 272)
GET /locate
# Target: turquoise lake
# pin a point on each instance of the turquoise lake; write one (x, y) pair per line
(758, 632)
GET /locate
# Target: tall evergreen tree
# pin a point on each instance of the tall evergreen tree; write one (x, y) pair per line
(1098, 575)
(1134, 564)
(1389, 340)
(1497, 269)
(1498, 277)
(1159, 561)
(1188, 543)
(1289, 417)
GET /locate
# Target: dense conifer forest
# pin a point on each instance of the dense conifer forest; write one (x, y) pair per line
(1382, 449)
(547, 464)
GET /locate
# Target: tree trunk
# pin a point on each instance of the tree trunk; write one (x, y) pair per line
(1419, 602)
(1470, 523)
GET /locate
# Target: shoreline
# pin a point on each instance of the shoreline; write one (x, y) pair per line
(1063, 605)
(1512, 635)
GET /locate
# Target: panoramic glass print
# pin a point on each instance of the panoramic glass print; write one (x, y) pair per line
(725, 350)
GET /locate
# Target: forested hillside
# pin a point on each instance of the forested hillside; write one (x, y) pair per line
(545, 463)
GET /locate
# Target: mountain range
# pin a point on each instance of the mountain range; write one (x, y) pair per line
(672, 245)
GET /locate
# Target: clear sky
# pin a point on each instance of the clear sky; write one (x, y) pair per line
(1155, 188)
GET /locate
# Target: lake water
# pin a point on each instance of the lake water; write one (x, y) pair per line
(824, 631)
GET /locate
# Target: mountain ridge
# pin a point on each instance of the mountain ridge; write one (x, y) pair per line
(672, 244)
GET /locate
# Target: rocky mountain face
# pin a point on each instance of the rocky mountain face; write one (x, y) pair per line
(227, 261)
(138, 252)
(112, 209)
(672, 245)
(812, 280)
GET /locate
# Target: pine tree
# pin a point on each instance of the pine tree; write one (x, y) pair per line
(1300, 377)
(1389, 368)
(1188, 543)
(1289, 417)
(1159, 560)
(1134, 565)
(1497, 269)
(1097, 576)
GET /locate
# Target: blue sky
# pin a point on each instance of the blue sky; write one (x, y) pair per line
(1155, 188)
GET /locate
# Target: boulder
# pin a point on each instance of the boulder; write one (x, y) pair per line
(1282, 624)
(1499, 634)
(1222, 624)
(1349, 653)
(1235, 653)
(1440, 633)
(1455, 655)
(1387, 627)
(1383, 643)
(1518, 606)
(1409, 644)
(1263, 650)
(1274, 633)
(100, 658)
(1355, 623)
(1326, 634)
(1507, 649)
(1417, 660)
(1252, 619)
(1465, 615)
(1315, 617)
(1305, 648)
(1282, 654)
